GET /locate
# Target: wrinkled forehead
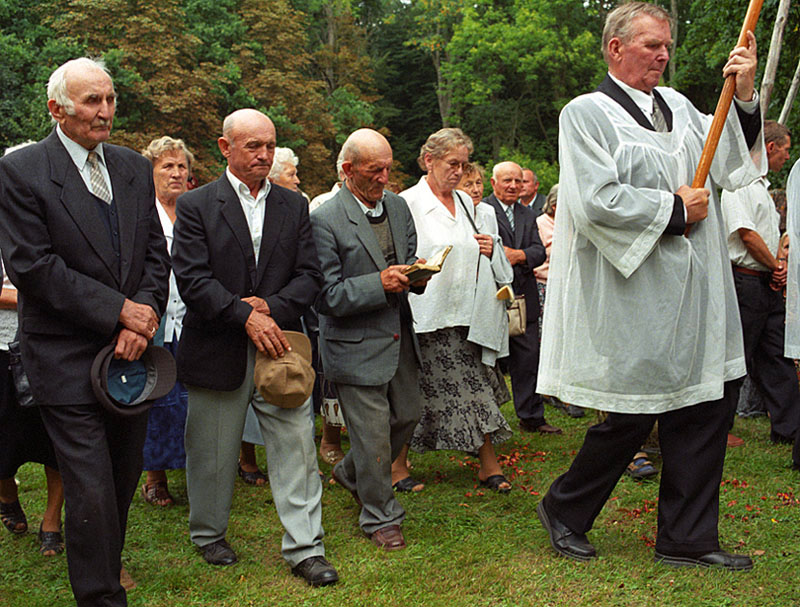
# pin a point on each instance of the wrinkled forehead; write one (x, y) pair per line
(83, 82)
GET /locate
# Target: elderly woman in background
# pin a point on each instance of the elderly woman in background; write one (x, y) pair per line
(284, 169)
(23, 437)
(472, 183)
(461, 326)
(163, 447)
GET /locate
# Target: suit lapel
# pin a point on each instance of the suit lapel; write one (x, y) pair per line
(362, 228)
(520, 224)
(234, 216)
(613, 90)
(503, 225)
(274, 216)
(79, 202)
(398, 230)
(122, 186)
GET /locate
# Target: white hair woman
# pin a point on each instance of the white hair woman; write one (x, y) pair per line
(163, 448)
(460, 410)
(284, 169)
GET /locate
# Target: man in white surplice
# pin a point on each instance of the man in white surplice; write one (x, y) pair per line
(641, 321)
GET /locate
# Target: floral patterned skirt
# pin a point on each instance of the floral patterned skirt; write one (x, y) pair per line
(459, 404)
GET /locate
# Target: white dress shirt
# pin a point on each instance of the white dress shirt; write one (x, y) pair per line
(752, 208)
(253, 208)
(80, 155)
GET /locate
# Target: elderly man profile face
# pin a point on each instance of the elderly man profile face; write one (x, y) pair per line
(640, 59)
(368, 159)
(507, 182)
(88, 121)
(248, 143)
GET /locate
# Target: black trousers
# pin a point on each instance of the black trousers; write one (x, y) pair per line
(763, 314)
(693, 443)
(523, 364)
(100, 459)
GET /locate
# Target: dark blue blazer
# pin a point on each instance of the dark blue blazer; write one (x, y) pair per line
(215, 268)
(525, 237)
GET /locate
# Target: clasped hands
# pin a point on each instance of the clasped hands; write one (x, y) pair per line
(140, 323)
(263, 331)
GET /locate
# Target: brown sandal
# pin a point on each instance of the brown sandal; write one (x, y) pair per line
(13, 517)
(157, 494)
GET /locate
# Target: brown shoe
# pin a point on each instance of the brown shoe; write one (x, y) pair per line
(548, 429)
(389, 538)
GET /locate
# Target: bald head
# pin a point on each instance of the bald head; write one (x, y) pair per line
(507, 182)
(367, 158)
(248, 143)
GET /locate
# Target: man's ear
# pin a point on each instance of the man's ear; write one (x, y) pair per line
(224, 146)
(56, 111)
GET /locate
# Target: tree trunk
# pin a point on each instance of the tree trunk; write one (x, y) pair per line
(787, 105)
(674, 12)
(442, 89)
(771, 67)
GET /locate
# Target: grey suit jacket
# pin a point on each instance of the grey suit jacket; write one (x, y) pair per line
(59, 254)
(359, 324)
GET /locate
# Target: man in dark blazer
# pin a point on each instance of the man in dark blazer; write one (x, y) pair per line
(247, 269)
(83, 244)
(517, 226)
(365, 238)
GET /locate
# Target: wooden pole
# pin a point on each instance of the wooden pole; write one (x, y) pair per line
(724, 104)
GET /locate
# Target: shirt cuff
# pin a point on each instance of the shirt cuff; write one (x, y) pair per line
(748, 106)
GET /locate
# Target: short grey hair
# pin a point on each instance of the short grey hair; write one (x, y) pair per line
(57, 84)
(283, 156)
(339, 162)
(619, 22)
(441, 142)
(159, 146)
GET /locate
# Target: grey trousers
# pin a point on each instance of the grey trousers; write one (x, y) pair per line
(214, 424)
(379, 420)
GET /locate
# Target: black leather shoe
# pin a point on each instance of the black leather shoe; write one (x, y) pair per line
(719, 559)
(316, 571)
(563, 539)
(218, 553)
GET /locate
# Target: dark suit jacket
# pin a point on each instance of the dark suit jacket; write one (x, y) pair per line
(359, 324)
(58, 253)
(215, 267)
(526, 237)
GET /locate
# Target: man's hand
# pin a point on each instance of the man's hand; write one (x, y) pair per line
(742, 63)
(485, 244)
(130, 345)
(258, 304)
(778, 280)
(695, 201)
(139, 318)
(393, 279)
(515, 256)
(266, 334)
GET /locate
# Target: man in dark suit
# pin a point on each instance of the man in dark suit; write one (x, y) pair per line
(517, 226)
(247, 269)
(83, 244)
(530, 195)
(366, 238)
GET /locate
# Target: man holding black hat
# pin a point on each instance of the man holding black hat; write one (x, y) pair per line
(247, 269)
(84, 246)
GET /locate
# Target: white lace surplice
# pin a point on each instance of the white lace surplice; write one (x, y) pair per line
(637, 321)
(792, 339)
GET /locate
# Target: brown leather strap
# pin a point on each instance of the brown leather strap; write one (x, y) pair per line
(748, 271)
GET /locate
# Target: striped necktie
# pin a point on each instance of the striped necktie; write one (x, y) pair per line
(658, 118)
(510, 214)
(99, 187)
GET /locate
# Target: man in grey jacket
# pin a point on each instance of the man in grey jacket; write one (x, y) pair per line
(365, 238)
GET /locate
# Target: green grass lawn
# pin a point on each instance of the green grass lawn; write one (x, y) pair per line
(465, 546)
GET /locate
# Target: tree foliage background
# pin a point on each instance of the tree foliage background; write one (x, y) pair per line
(499, 69)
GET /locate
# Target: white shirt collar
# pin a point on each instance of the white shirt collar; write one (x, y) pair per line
(377, 211)
(643, 100)
(77, 152)
(241, 189)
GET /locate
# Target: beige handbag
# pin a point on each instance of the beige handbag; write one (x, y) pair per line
(517, 317)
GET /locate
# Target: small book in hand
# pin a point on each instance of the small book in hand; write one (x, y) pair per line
(421, 271)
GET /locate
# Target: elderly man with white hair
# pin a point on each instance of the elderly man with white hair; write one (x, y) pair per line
(83, 244)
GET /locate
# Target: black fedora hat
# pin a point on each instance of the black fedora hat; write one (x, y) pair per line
(129, 387)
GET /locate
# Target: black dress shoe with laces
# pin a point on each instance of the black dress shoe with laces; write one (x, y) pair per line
(316, 571)
(563, 540)
(218, 553)
(717, 559)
